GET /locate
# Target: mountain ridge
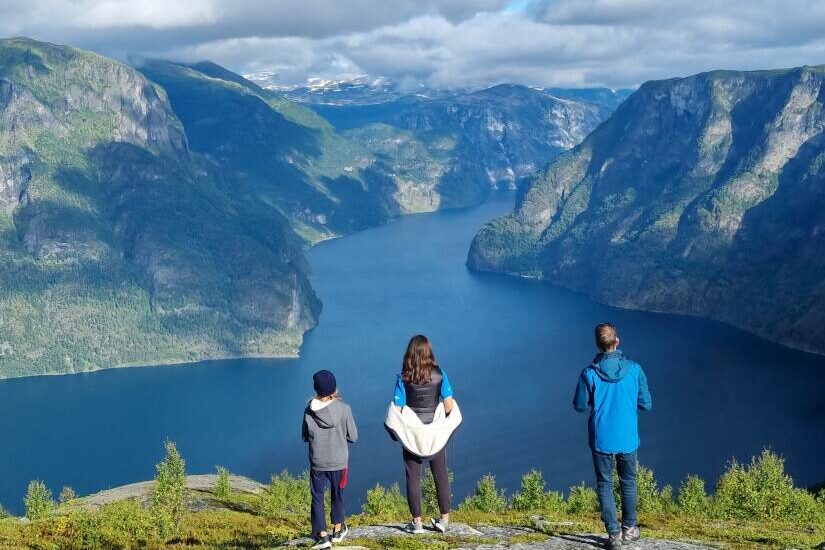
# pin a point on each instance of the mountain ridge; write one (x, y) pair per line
(683, 201)
(119, 244)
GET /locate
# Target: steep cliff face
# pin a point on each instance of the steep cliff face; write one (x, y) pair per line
(503, 134)
(700, 195)
(118, 245)
(451, 150)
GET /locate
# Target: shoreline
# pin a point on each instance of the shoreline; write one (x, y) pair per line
(161, 363)
(788, 345)
(495, 194)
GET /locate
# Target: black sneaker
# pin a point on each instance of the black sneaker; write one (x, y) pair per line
(322, 543)
(339, 536)
(630, 534)
(614, 541)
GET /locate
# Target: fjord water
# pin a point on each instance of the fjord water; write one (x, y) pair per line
(513, 349)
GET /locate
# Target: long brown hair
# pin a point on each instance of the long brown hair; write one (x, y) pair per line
(419, 361)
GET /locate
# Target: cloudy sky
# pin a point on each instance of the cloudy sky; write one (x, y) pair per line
(442, 43)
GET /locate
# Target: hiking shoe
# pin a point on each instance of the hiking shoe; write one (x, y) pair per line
(339, 536)
(414, 528)
(614, 542)
(439, 525)
(322, 543)
(630, 534)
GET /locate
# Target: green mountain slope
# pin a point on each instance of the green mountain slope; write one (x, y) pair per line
(701, 195)
(276, 151)
(118, 245)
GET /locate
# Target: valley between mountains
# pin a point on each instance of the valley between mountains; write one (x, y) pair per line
(159, 213)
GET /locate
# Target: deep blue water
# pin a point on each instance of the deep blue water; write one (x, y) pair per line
(513, 349)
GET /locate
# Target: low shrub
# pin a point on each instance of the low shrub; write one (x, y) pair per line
(429, 497)
(763, 491)
(223, 489)
(486, 498)
(533, 496)
(651, 499)
(693, 500)
(67, 495)
(124, 524)
(39, 502)
(388, 502)
(582, 500)
(285, 495)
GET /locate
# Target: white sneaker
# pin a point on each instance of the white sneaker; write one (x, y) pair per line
(414, 528)
(439, 525)
(322, 543)
(339, 536)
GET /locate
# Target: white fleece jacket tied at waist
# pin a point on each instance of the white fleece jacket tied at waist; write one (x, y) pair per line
(421, 439)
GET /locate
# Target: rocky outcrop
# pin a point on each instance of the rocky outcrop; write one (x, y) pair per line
(700, 196)
(142, 491)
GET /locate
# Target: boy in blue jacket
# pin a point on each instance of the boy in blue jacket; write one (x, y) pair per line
(614, 388)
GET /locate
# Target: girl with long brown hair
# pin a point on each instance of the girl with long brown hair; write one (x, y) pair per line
(422, 386)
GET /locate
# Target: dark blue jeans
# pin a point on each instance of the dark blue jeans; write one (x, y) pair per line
(318, 481)
(626, 465)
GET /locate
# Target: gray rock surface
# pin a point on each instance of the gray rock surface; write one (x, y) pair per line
(142, 490)
(585, 542)
(504, 534)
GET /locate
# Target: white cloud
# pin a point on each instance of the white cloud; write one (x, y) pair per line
(443, 42)
(155, 14)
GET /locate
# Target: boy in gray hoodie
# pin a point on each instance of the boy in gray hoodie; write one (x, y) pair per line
(328, 426)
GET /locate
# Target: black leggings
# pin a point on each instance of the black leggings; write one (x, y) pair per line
(438, 465)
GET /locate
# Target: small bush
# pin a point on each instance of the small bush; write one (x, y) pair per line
(169, 493)
(650, 498)
(285, 495)
(4, 513)
(223, 489)
(666, 500)
(487, 497)
(762, 491)
(693, 500)
(429, 496)
(124, 524)
(39, 501)
(386, 502)
(533, 495)
(67, 495)
(582, 500)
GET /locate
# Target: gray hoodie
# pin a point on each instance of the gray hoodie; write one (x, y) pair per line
(327, 427)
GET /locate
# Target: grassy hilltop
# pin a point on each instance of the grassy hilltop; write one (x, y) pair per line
(752, 505)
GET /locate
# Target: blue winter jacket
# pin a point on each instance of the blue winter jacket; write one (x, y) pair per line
(615, 388)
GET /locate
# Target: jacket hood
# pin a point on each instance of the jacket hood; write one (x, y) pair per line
(611, 366)
(326, 414)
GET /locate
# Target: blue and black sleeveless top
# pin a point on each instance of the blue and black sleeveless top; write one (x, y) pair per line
(423, 398)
